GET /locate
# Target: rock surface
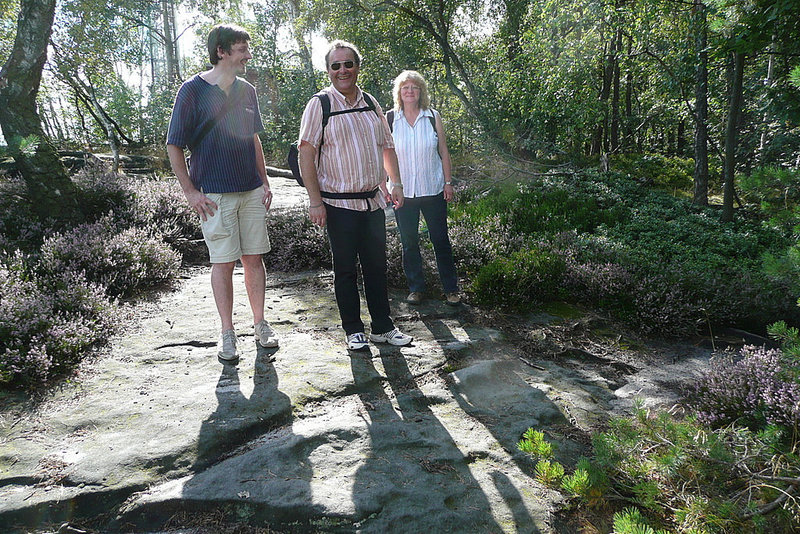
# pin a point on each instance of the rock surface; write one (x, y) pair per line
(311, 437)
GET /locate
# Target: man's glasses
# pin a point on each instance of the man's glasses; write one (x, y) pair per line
(347, 64)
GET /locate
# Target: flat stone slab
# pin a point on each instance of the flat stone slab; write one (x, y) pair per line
(417, 438)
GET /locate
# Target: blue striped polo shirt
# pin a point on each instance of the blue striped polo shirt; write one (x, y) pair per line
(225, 159)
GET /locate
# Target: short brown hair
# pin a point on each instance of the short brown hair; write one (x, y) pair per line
(225, 36)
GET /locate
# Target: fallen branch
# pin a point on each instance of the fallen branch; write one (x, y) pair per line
(282, 173)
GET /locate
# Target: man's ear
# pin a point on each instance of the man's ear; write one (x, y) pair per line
(220, 51)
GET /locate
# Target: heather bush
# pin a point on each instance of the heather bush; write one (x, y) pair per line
(102, 192)
(297, 244)
(47, 323)
(476, 243)
(122, 262)
(160, 207)
(519, 281)
(19, 228)
(157, 205)
(756, 388)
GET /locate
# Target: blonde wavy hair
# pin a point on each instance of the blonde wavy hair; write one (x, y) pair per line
(416, 77)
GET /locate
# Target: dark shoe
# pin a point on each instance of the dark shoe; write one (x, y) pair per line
(453, 299)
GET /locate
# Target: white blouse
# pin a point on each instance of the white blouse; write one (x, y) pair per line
(417, 147)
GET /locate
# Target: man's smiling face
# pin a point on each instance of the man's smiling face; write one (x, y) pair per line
(343, 78)
(238, 56)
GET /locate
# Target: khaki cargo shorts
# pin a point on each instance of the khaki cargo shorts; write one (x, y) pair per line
(238, 227)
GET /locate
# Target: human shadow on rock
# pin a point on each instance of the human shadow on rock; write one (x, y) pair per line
(414, 477)
(237, 418)
(265, 482)
(498, 393)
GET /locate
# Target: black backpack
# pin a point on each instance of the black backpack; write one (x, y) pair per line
(292, 158)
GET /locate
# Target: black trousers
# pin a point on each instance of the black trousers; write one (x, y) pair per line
(359, 237)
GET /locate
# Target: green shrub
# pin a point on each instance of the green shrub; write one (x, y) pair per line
(533, 443)
(670, 173)
(549, 473)
(773, 189)
(631, 521)
(549, 207)
(660, 264)
(519, 281)
(692, 479)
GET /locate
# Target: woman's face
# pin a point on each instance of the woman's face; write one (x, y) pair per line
(409, 93)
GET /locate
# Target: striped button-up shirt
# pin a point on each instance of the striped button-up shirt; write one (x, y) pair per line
(417, 147)
(352, 154)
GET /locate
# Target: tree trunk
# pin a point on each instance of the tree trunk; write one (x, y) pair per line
(169, 41)
(732, 134)
(701, 107)
(615, 95)
(627, 139)
(463, 87)
(51, 193)
(600, 137)
(302, 46)
(762, 145)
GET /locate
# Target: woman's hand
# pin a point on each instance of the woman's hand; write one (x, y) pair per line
(449, 192)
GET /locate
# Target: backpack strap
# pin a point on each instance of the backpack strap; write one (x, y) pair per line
(390, 119)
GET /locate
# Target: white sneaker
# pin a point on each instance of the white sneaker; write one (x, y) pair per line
(356, 341)
(227, 346)
(265, 335)
(392, 337)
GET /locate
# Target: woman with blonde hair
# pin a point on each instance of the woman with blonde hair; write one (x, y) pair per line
(425, 170)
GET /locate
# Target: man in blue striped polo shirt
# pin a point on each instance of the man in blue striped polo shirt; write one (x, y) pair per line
(216, 116)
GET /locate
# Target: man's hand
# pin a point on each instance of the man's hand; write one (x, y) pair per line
(317, 214)
(267, 200)
(200, 203)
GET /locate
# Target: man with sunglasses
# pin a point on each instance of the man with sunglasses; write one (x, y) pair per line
(216, 116)
(344, 170)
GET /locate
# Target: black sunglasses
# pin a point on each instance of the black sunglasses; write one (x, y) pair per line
(347, 64)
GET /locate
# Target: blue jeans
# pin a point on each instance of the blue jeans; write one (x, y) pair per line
(434, 209)
(359, 237)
